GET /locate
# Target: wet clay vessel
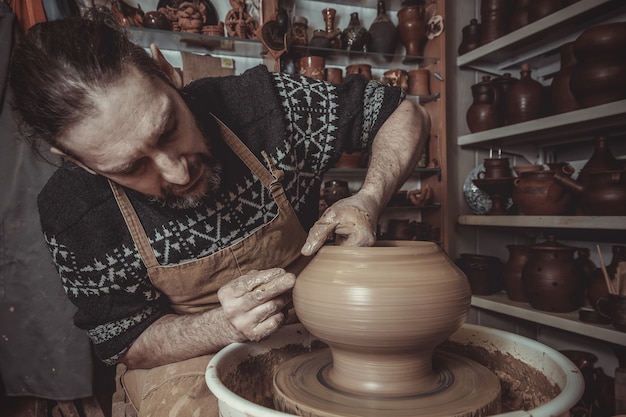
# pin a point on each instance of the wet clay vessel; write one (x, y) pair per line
(382, 311)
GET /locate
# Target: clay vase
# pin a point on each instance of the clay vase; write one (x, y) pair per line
(332, 33)
(563, 100)
(599, 76)
(355, 37)
(412, 27)
(382, 310)
(484, 114)
(524, 98)
(494, 19)
(483, 272)
(312, 66)
(538, 193)
(470, 37)
(543, 8)
(551, 279)
(520, 15)
(512, 273)
(383, 34)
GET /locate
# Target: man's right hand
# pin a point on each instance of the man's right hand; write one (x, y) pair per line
(253, 302)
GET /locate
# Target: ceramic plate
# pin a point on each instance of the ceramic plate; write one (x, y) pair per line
(477, 200)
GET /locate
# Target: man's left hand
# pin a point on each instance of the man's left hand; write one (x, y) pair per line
(351, 222)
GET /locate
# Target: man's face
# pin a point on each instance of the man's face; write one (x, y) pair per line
(143, 136)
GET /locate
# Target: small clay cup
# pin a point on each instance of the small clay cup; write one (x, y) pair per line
(419, 82)
(334, 75)
(362, 69)
(312, 66)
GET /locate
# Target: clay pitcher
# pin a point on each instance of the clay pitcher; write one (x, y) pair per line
(484, 112)
(412, 28)
(552, 281)
(382, 310)
(518, 257)
(538, 193)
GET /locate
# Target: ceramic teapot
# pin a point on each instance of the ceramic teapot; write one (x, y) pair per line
(603, 193)
(538, 193)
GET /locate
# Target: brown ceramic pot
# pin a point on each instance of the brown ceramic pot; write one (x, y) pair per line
(495, 168)
(563, 100)
(537, 193)
(540, 9)
(334, 75)
(599, 75)
(355, 37)
(419, 82)
(382, 310)
(551, 279)
(412, 28)
(524, 98)
(484, 273)
(518, 257)
(494, 19)
(520, 15)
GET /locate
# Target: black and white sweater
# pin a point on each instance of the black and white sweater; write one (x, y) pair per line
(302, 123)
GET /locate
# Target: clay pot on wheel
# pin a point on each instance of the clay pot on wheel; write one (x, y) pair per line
(393, 357)
(552, 281)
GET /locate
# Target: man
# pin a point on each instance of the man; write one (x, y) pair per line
(180, 217)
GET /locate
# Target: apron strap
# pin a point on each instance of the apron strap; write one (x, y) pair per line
(133, 223)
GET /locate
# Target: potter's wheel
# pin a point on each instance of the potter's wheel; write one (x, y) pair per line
(462, 387)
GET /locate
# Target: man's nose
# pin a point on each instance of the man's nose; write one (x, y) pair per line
(173, 168)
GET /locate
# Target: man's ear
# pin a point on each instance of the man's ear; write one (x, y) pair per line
(57, 151)
(166, 67)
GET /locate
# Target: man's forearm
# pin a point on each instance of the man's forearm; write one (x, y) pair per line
(395, 152)
(174, 338)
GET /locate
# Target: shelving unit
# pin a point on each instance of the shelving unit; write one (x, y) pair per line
(538, 44)
(500, 303)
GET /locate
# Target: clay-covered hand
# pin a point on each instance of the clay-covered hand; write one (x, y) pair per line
(253, 302)
(352, 220)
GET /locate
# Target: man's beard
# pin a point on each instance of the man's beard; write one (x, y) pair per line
(209, 182)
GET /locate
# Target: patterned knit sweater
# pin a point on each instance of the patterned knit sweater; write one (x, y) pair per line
(303, 124)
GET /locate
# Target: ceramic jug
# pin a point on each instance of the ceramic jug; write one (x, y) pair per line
(354, 38)
(383, 33)
(563, 100)
(471, 37)
(551, 279)
(524, 98)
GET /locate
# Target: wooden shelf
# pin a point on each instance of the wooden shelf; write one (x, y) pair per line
(565, 126)
(538, 42)
(500, 303)
(565, 222)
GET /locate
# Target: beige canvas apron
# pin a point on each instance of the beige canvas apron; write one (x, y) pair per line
(179, 389)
